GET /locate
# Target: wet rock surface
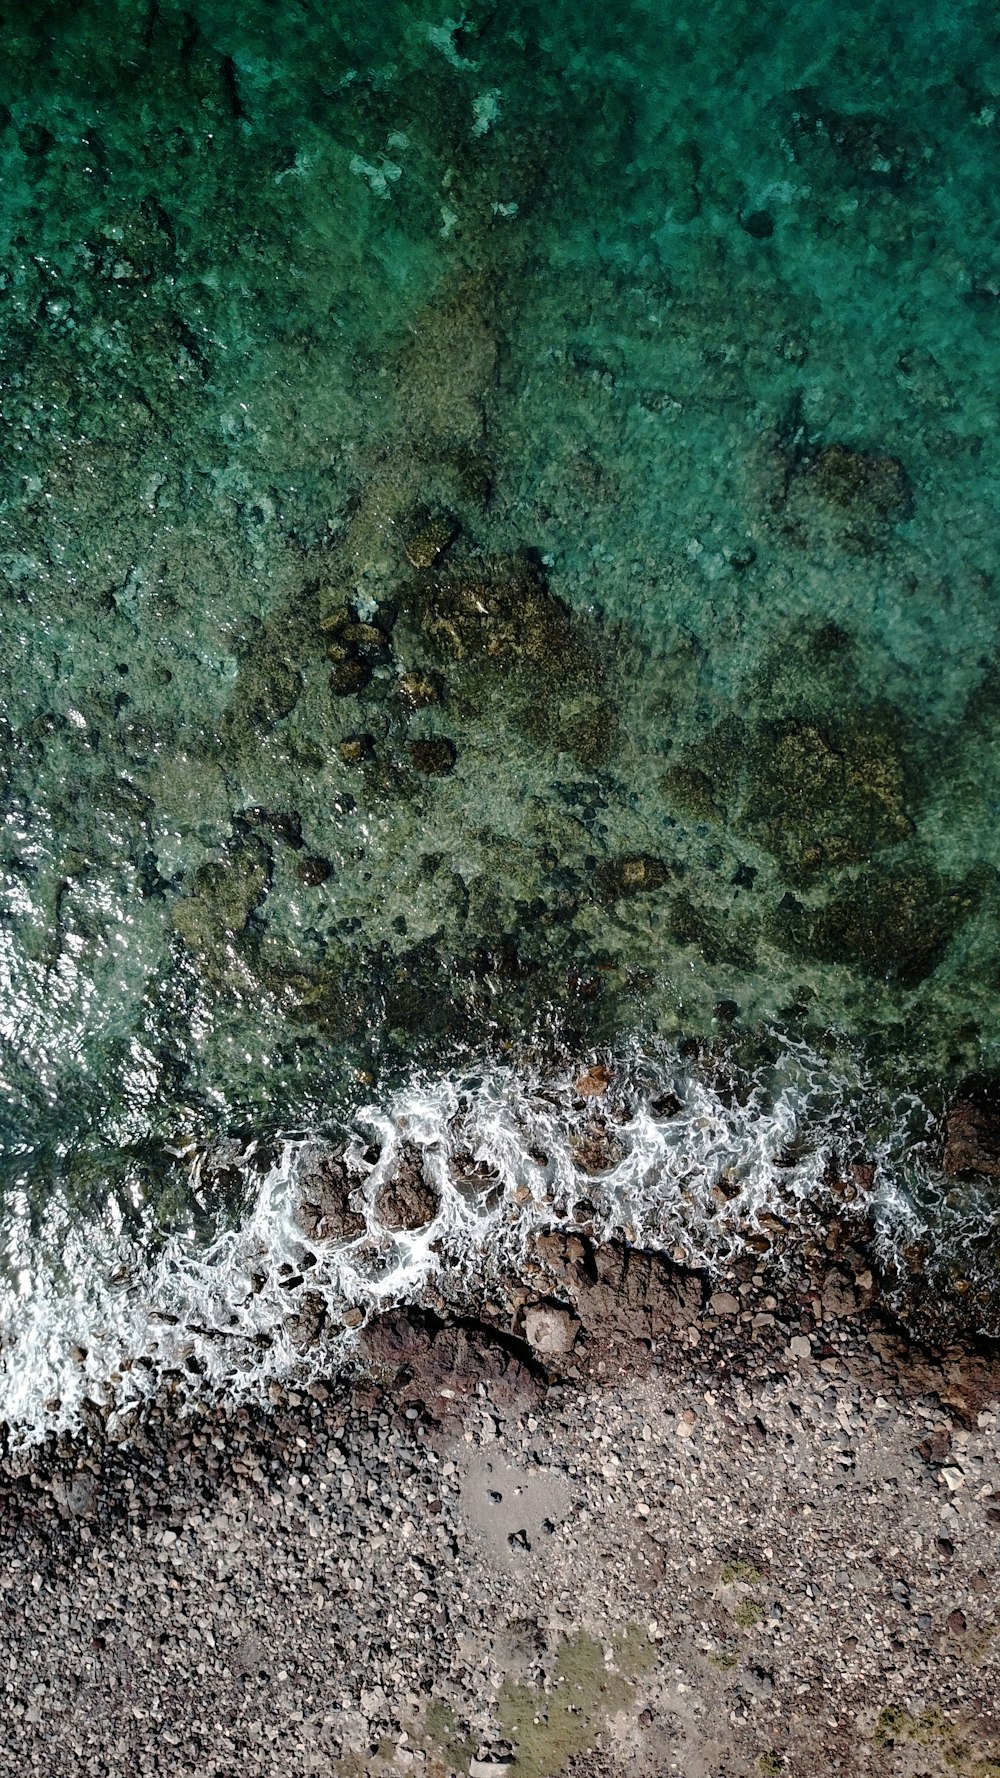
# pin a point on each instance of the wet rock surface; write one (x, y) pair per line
(326, 1211)
(407, 1199)
(972, 1129)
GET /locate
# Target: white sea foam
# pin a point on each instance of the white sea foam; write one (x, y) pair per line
(93, 1312)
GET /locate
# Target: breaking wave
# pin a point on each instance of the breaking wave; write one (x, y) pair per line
(96, 1317)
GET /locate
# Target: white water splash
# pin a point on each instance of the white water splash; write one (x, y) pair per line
(91, 1313)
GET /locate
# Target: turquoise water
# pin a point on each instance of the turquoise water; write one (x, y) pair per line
(663, 340)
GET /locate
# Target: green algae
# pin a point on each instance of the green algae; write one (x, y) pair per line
(962, 1751)
(548, 1728)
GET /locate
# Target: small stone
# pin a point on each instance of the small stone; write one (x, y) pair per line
(489, 1768)
(433, 758)
(594, 1081)
(957, 1623)
(954, 1478)
(354, 750)
(419, 690)
(313, 870)
(800, 1346)
(722, 1303)
(429, 543)
(550, 1330)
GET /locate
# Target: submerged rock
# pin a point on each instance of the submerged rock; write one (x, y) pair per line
(499, 610)
(313, 871)
(894, 925)
(351, 675)
(425, 546)
(419, 690)
(433, 758)
(635, 874)
(356, 750)
(222, 897)
(865, 484)
(824, 793)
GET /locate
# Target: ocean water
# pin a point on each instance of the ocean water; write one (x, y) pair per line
(498, 567)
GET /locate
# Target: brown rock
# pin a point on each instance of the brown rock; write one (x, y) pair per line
(838, 1294)
(325, 1212)
(448, 1364)
(595, 1148)
(594, 1081)
(428, 544)
(407, 1200)
(972, 1129)
(349, 676)
(620, 1293)
(433, 758)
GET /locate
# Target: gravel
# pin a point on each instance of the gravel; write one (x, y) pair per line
(699, 1541)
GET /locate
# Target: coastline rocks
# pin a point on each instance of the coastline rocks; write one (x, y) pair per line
(550, 1330)
(620, 1294)
(596, 1149)
(407, 1200)
(325, 1211)
(449, 1362)
(972, 1129)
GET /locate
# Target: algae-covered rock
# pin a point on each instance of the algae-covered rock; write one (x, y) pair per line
(634, 874)
(824, 793)
(419, 690)
(498, 610)
(864, 484)
(222, 897)
(433, 758)
(268, 688)
(891, 925)
(513, 649)
(425, 545)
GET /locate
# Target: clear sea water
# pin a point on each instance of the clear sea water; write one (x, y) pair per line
(673, 330)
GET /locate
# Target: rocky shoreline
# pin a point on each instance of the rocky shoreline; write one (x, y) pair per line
(614, 1517)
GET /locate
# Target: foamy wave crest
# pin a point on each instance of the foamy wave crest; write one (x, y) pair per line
(94, 1316)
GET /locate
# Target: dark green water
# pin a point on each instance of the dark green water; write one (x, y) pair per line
(681, 324)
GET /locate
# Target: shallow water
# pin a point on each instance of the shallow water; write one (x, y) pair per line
(674, 331)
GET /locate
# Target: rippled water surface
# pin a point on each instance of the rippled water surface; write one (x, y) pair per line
(497, 559)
